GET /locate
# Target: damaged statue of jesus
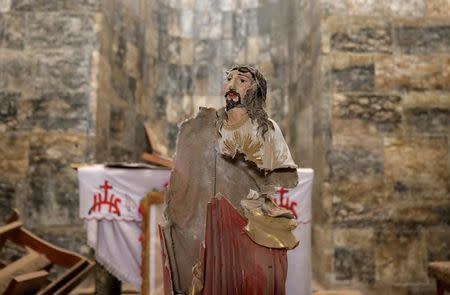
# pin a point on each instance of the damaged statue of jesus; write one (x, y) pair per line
(223, 233)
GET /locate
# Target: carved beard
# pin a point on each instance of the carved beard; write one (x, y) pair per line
(230, 104)
(233, 104)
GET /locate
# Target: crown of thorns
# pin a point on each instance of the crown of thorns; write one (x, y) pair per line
(244, 69)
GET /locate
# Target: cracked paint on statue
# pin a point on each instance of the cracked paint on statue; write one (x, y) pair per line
(239, 154)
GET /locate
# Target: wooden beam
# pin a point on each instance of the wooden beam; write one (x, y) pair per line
(158, 160)
(153, 140)
(9, 227)
(28, 283)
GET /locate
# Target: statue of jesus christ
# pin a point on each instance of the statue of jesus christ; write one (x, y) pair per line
(228, 164)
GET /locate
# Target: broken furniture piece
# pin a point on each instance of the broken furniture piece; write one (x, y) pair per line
(30, 273)
(152, 207)
(157, 159)
(440, 271)
(158, 156)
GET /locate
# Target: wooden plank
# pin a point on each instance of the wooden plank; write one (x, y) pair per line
(153, 140)
(157, 159)
(9, 227)
(28, 283)
(55, 254)
(14, 217)
(62, 280)
(17, 234)
(76, 280)
(29, 263)
(42, 254)
(153, 198)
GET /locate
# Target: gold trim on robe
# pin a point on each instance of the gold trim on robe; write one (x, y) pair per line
(268, 225)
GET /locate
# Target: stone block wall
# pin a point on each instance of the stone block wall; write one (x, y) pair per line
(123, 93)
(79, 79)
(384, 207)
(46, 115)
(360, 89)
(199, 40)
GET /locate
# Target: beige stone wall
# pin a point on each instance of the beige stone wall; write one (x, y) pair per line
(199, 40)
(360, 88)
(384, 207)
(46, 120)
(303, 35)
(79, 78)
(126, 78)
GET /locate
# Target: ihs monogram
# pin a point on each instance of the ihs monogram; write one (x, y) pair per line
(285, 202)
(111, 201)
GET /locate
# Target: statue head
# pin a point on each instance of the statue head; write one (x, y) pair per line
(245, 87)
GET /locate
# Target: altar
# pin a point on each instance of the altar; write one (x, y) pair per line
(110, 200)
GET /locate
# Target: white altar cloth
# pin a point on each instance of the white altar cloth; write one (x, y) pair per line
(116, 237)
(299, 275)
(109, 205)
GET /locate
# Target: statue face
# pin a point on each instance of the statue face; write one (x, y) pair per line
(235, 87)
